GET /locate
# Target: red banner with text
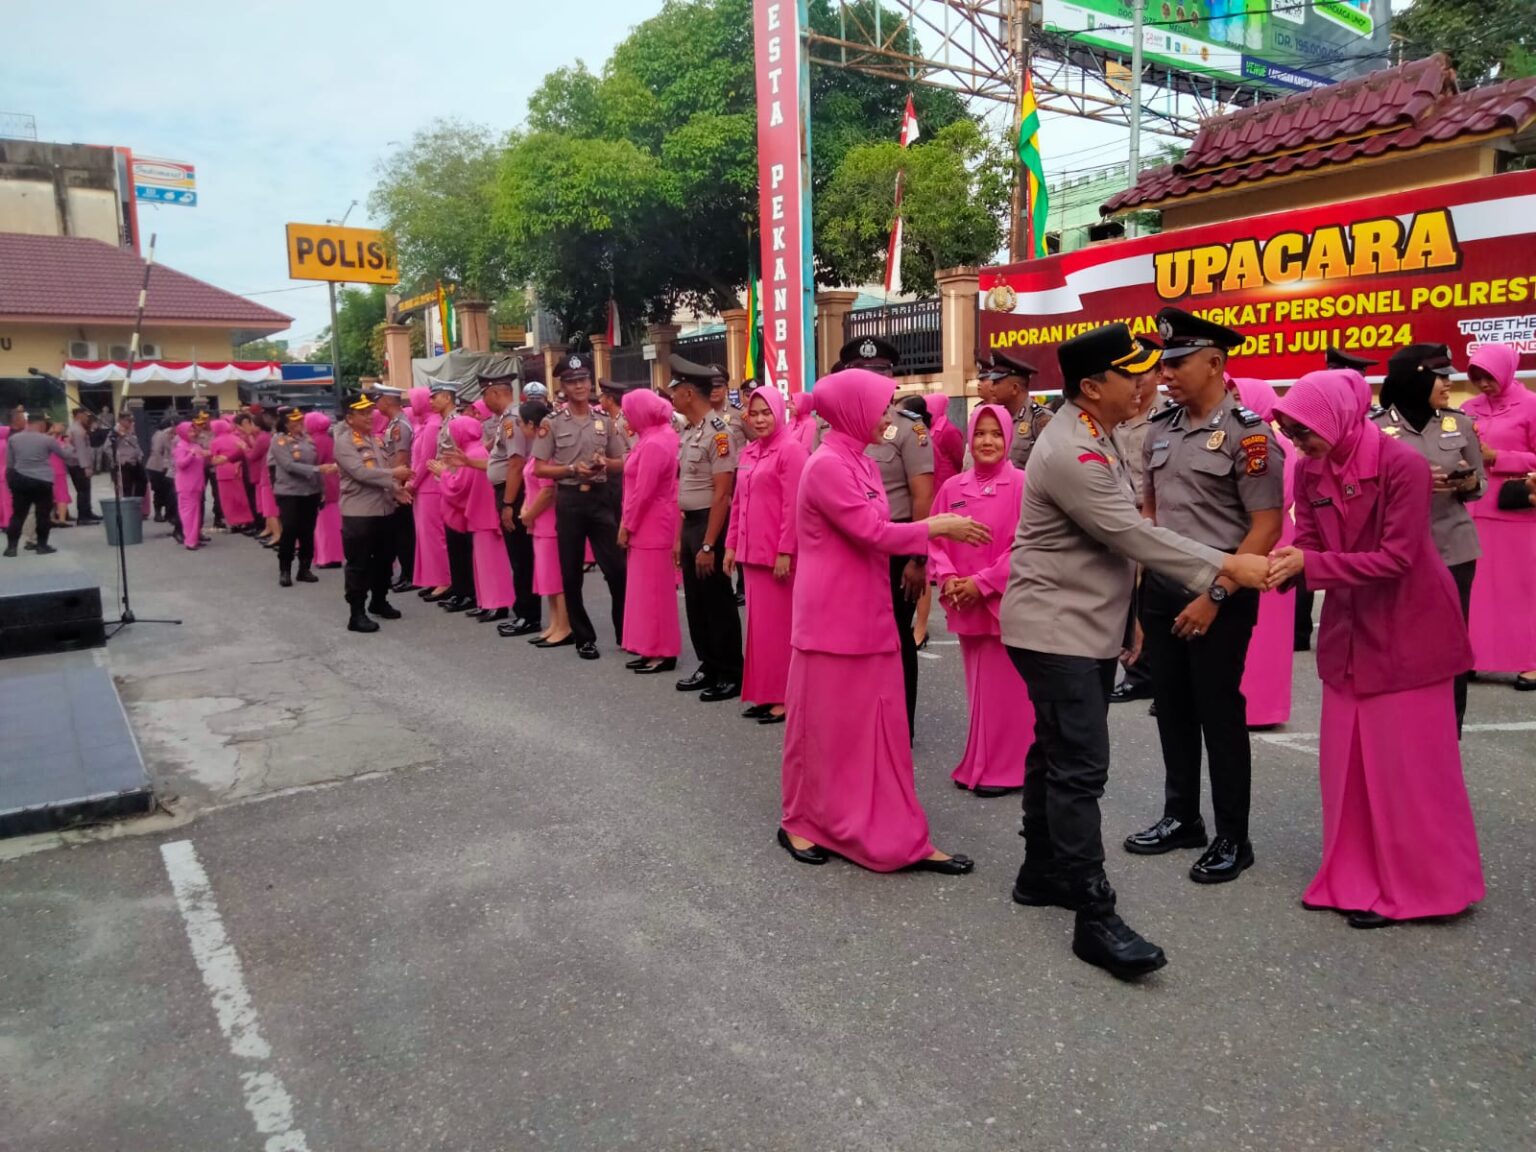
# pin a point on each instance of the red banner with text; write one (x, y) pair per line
(1452, 265)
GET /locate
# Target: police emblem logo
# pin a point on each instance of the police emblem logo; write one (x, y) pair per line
(868, 350)
(1218, 438)
(1447, 423)
(1022, 429)
(890, 432)
(597, 426)
(1165, 329)
(574, 362)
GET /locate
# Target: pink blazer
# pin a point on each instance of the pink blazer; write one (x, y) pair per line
(996, 504)
(763, 504)
(1506, 424)
(1391, 619)
(468, 497)
(533, 484)
(256, 459)
(843, 525)
(651, 512)
(423, 449)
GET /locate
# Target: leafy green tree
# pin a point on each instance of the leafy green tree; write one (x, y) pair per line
(1487, 40)
(274, 351)
(954, 205)
(358, 312)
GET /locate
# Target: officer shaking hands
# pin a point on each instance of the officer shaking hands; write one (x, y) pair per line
(1214, 474)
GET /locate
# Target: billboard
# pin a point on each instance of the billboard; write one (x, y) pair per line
(164, 181)
(1282, 45)
(1453, 265)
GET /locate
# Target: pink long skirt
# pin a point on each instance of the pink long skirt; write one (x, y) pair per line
(266, 500)
(1502, 620)
(1002, 718)
(546, 566)
(1271, 657)
(189, 508)
(766, 673)
(847, 776)
(431, 541)
(328, 534)
(235, 503)
(493, 571)
(61, 492)
(1398, 835)
(650, 604)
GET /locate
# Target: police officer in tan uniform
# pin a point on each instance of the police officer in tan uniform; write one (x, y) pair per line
(905, 460)
(1213, 473)
(582, 453)
(396, 438)
(371, 489)
(1415, 408)
(707, 452)
(1067, 615)
(1006, 381)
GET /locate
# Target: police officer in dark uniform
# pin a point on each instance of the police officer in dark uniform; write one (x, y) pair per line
(397, 437)
(1005, 378)
(581, 454)
(708, 451)
(905, 460)
(1336, 359)
(1214, 474)
(370, 490)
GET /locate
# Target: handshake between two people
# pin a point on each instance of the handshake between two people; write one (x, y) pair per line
(1266, 573)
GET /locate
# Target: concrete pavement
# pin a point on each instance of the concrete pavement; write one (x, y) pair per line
(483, 897)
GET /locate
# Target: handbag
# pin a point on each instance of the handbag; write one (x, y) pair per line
(1514, 495)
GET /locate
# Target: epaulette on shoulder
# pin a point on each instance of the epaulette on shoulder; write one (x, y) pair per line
(909, 414)
(1164, 413)
(1375, 412)
(718, 423)
(1455, 412)
(1247, 417)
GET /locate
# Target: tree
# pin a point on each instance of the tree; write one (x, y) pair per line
(358, 312)
(274, 351)
(436, 196)
(954, 205)
(1486, 40)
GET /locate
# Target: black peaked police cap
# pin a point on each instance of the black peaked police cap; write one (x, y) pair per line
(1111, 347)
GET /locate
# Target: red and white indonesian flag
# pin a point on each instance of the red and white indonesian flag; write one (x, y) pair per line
(909, 133)
(615, 329)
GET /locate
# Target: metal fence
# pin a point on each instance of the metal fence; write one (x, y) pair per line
(913, 328)
(705, 349)
(629, 365)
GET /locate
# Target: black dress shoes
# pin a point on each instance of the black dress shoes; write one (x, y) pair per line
(1129, 691)
(772, 719)
(305, 576)
(991, 791)
(384, 610)
(1044, 888)
(1226, 859)
(637, 662)
(588, 651)
(426, 594)
(724, 690)
(566, 643)
(665, 664)
(1104, 940)
(402, 585)
(756, 711)
(458, 604)
(517, 627)
(815, 854)
(492, 615)
(1369, 920)
(1167, 835)
(700, 679)
(953, 866)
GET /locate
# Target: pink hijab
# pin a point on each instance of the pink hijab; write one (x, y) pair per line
(1333, 405)
(421, 405)
(221, 427)
(469, 434)
(938, 410)
(853, 402)
(184, 431)
(771, 397)
(647, 412)
(1257, 396)
(985, 473)
(318, 425)
(1500, 361)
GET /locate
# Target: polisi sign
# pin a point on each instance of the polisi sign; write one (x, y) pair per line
(342, 255)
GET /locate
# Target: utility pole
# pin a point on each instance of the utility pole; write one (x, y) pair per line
(1133, 167)
(1018, 43)
(335, 337)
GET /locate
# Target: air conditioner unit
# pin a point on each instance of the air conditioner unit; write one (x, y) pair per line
(118, 352)
(148, 351)
(82, 350)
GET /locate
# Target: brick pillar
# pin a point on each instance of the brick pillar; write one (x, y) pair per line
(474, 325)
(660, 336)
(735, 344)
(602, 358)
(397, 355)
(552, 355)
(958, 289)
(831, 309)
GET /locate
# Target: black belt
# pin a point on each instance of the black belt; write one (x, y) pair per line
(578, 487)
(696, 513)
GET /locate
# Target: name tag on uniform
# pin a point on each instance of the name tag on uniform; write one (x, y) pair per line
(870, 495)
(958, 504)
(1325, 502)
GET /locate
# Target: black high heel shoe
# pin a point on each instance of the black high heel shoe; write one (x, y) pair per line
(815, 854)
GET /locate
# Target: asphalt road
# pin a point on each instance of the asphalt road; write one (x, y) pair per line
(481, 897)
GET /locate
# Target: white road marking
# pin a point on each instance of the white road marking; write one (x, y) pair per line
(266, 1099)
(1307, 741)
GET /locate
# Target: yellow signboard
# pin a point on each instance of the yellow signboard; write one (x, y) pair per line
(344, 255)
(416, 303)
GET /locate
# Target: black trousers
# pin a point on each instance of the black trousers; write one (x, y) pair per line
(581, 517)
(132, 479)
(1068, 764)
(1462, 574)
(461, 562)
(1303, 635)
(163, 487)
(28, 494)
(82, 482)
(519, 541)
(298, 515)
(714, 621)
(218, 508)
(1198, 691)
(366, 542)
(905, 612)
(404, 550)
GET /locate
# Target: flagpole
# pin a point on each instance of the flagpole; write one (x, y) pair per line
(1019, 34)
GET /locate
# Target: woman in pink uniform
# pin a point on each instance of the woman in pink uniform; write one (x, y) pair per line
(1271, 650)
(948, 460)
(61, 490)
(802, 421)
(847, 773)
(648, 527)
(1503, 612)
(191, 461)
(5, 489)
(470, 506)
(761, 538)
(538, 517)
(260, 475)
(970, 580)
(328, 552)
(228, 459)
(1398, 836)
(431, 574)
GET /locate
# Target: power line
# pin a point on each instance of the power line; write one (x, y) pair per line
(275, 291)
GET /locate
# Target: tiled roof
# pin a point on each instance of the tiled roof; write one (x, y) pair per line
(1394, 110)
(74, 279)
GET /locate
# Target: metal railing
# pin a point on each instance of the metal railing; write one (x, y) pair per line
(914, 329)
(629, 365)
(705, 349)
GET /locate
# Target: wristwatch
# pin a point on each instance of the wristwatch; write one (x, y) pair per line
(707, 548)
(1217, 593)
